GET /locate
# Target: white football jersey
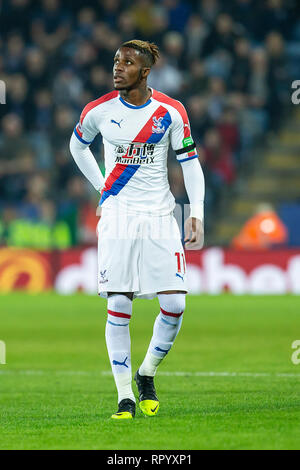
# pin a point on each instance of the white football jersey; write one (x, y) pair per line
(136, 141)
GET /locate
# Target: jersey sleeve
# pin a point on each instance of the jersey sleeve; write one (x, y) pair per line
(181, 139)
(85, 130)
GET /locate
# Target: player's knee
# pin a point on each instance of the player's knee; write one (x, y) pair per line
(172, 303)
(119, 303)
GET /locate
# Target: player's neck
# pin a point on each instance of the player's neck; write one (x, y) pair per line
(137, 96)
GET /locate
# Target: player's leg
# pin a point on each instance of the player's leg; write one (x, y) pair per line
(165, 330)
(117, 335)
(165, 274)
(166, 327)
(117, 279)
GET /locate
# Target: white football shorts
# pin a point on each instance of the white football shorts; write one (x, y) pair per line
(140, 254)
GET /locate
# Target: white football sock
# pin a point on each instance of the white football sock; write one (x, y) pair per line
(165, 330)
(117, 335)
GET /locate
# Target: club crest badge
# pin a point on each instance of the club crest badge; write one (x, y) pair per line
(103, 277)
(157, 127)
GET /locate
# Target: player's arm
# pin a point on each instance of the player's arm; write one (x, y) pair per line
(83, 135)
(186, 154)
(194, 185)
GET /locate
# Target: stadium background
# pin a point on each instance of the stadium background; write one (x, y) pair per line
(232, 381)
(232, 65)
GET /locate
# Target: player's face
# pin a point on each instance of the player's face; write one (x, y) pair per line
(129, 69)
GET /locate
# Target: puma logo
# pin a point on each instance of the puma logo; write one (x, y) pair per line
(117, 363)
(157, 348)
(116, 122)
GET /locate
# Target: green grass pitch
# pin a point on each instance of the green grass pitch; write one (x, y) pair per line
(228, 383)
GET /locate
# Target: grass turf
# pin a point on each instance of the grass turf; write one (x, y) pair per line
(56, 391)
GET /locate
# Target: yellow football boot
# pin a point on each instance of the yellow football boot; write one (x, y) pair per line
(149, 403)
(149, 407)
(126, 410)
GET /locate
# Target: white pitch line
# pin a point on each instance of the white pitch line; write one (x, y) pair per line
(162, 373)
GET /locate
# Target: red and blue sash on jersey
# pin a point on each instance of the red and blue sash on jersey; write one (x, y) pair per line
(152, 132)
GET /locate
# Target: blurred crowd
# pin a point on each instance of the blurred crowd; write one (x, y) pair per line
(230, 62)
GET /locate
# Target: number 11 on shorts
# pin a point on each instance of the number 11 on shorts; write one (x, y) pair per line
(181, 268)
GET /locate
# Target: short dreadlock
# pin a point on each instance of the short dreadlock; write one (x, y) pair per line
(149, 49)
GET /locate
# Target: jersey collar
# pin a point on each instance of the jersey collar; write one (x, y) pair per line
(132, 106)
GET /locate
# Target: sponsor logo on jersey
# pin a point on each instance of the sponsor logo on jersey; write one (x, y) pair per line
(187, 142)
(116, 122)
(135, 153)
(179, 275)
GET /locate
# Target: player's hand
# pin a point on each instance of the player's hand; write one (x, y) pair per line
(99, 208)
(194, 234)
(98, 213)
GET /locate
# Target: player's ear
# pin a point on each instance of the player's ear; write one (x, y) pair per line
(145, 72)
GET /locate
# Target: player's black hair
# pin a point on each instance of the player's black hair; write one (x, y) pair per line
(148, 49)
